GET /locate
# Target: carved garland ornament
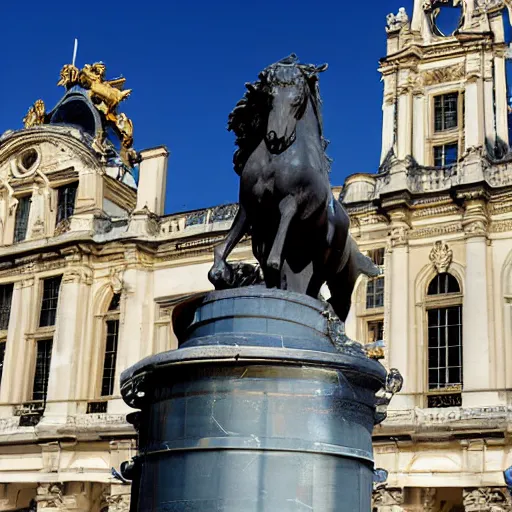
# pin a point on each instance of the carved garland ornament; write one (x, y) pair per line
(486, 499)
(441, 256)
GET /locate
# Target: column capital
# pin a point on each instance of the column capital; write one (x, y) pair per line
(49, 497)
(77, 275)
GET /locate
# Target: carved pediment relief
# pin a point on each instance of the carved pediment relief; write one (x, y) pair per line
(445, 74)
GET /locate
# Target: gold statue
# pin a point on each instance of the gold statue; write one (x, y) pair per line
(35, 115)
(106, 96)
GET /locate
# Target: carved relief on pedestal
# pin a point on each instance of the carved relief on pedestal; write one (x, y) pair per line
(385, 498)
(441, 256)
(486, 499)
(49, 496)
(428, 499)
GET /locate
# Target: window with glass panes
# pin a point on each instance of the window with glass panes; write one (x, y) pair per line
(111, 343)
(21, 221)
(42, 372)
(375, 285)
(444, 336)
(5, 305)
(446, 107)
(49, 302)
(375, 331)
(446, 154)
(66, 196)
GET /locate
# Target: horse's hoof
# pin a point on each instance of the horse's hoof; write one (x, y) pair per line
(273, 264)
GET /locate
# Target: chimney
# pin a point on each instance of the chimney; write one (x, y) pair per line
(152, 180)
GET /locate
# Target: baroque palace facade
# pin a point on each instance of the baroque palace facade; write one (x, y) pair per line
(90, 269)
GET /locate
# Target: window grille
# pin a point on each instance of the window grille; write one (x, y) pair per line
(375, 293)
(66, 201)
(21, 222)
(42, 373)
(5, 305)
(443, 283)
(446, 111)
(50, 300)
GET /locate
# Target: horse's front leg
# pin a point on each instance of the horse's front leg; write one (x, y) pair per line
(287, 209)
(221, 274)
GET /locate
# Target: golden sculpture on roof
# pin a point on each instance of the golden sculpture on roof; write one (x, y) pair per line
(36, 114)
(106, 96)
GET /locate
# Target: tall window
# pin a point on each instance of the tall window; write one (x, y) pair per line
(5, 305)
(375, 285)
(50, 300)
(66, 201)
(111, 342)
(446, 108)
(42, 373)
(444, 317)
(2, 358)
(21, 222)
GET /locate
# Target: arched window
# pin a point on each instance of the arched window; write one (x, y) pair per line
(111, 342)
(444, 318)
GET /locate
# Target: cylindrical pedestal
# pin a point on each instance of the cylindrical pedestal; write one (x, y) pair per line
(256, 411)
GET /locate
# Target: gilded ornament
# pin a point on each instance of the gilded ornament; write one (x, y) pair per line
(441, 256)
(36, 114)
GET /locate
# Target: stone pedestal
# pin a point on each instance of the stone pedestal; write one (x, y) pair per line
(262, 407)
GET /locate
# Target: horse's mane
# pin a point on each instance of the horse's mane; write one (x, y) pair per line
(249, 118)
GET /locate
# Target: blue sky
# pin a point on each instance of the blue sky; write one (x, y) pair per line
(187, 63)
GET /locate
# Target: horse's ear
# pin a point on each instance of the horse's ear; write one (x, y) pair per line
(250, 87)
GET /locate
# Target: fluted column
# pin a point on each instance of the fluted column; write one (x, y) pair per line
(18, 352)
(72, 317)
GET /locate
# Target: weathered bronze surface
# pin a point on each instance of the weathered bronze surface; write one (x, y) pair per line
(300, 232)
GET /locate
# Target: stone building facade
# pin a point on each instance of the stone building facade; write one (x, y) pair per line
(91, 268)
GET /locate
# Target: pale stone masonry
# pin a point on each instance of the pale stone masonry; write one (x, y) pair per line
(91, 268)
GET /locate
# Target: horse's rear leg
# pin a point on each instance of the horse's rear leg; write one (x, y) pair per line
(220, 273)
(287, 209)
(341, 286)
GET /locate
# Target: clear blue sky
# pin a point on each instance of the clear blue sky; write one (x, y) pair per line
(187, 63)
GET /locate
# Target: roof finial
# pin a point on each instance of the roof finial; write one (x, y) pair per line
(75, 49)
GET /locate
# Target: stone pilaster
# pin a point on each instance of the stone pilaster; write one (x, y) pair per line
(418, 130)
(72, 316)
(388, 115)
(474, 118)
(18, 351)
(501, 107)
(477, 348)
(487, 499)
(404, 128)
(136, 317)
(397, 278)
(388, 500)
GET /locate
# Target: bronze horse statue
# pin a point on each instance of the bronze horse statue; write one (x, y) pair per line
(300, 232)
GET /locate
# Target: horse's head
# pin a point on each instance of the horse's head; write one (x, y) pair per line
(289, 86)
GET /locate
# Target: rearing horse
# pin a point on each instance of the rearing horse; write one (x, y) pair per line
(300, 233)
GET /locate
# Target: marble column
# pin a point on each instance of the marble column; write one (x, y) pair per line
(487, 499)
(72, 317)
(18, 352)
(397, 278)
